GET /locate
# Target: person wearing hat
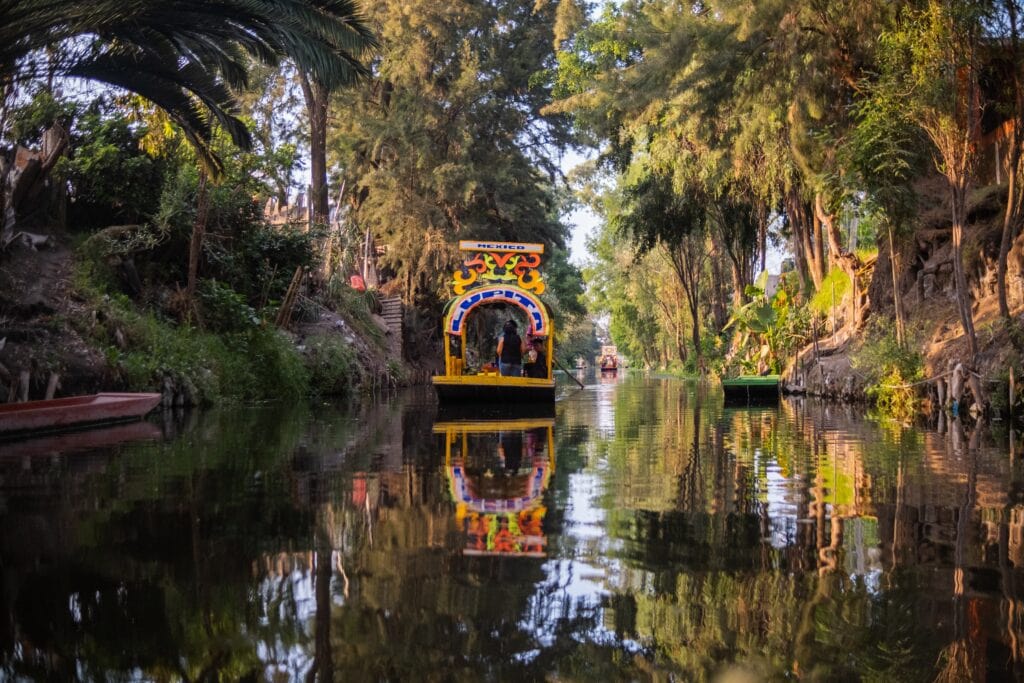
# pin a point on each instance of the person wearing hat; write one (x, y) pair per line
(510, 351)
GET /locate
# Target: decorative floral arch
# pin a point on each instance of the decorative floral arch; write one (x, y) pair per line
(460, 308)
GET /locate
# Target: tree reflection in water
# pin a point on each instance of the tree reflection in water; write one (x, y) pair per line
(646, 531)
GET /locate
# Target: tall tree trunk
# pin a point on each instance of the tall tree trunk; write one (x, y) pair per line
(694, 302)
(897, 299)
(316, 105)
(762, 234)
(195, 244)
(719, 307)
(837, 255)
(958, 191)
(806, 254)
(819, 248)
(687, 259)
(1011, 218)
(802, 266)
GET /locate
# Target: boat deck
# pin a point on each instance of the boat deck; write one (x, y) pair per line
(491, 388)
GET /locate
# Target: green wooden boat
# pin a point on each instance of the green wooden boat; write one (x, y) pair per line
(751, 389)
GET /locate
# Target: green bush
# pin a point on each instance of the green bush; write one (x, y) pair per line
(252, 365)
(276, 367)
(224, 309)
(240, 249)
(112, 179)
(823, 300)
(889, 369)
(333, 365)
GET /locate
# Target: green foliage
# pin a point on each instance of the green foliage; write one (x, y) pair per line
(241, 249)
(333, 365)
(247, 363)
(224, 309)
(184, 57)
(830, 295)
(769, 330)
(29, 121)
(112, 180)
(275, 369)
(259, 260)
(888, 370)
(449, 141)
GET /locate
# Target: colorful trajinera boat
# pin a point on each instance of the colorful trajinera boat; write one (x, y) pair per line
(495, 273)
(609, 360)
(497, 474)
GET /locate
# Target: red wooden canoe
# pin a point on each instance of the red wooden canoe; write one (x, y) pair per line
(73, 412)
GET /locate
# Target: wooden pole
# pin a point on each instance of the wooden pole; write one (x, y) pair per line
(574, 379)
(284, 314)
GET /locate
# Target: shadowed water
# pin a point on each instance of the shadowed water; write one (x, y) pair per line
(646, 533)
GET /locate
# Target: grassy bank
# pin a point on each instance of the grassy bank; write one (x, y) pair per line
(246, 359)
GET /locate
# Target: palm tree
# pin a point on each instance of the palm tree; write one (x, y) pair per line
(183, 55)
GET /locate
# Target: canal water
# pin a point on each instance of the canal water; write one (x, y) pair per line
(647, 532)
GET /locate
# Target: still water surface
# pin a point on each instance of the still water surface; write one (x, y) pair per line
(646, 533)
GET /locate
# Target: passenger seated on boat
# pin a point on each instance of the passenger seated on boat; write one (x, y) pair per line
(510, 351)
(536, 364)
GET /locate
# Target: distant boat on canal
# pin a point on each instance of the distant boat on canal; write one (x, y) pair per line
(609, 360)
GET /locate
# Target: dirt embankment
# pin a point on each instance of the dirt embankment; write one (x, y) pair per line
(928, 291)
(40, 319)
(55, 338)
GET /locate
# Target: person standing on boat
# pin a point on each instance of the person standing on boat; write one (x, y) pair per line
(510, 351)
(537, 361)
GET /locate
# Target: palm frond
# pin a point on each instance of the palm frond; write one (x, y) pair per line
(184, 55)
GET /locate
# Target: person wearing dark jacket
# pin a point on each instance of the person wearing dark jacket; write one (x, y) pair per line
(537, 365)
(510, 351)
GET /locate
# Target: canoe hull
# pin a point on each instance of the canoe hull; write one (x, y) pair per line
(746, 390)
(19, 419)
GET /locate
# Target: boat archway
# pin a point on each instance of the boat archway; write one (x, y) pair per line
(503, 274)
(535, 309)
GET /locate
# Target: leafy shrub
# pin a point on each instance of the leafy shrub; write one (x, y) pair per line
(277, 369)
(333, 365)
(240, 249)
(889, 370)
(769, 331)
(259, 260)
(224, 309)
(255, 364)
(827, 298)
(112, 180)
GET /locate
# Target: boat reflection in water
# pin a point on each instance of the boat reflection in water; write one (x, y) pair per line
(497, 473)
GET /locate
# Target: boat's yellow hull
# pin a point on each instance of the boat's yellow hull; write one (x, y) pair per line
(494, 389)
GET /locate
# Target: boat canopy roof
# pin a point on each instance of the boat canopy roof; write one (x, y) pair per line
(499, 272)
(458, 309)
